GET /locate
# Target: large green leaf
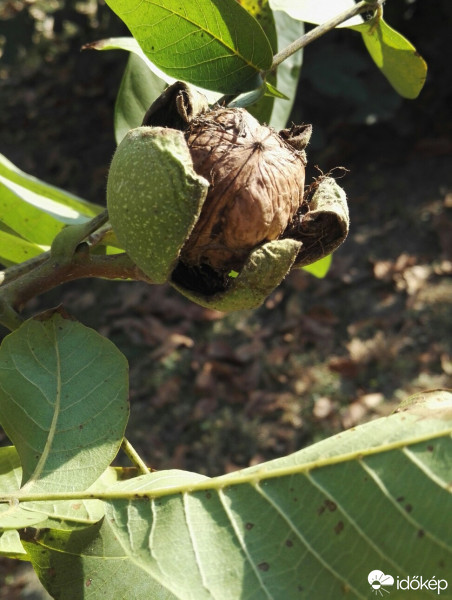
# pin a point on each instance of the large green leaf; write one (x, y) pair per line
(311, 525)
(63, 401)
(215, 44)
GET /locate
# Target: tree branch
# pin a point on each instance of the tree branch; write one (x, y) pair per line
(70, 258)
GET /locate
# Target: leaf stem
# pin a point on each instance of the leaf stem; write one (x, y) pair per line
(68, 239)
(323, 28)
(134, 457)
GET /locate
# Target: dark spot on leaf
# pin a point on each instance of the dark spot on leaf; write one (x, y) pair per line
(295, 499)
(430, 448)
(408, 508)
(330, 505)
(321, 510)
(339, 527)
(441, 564)
(400, 499)
(208, 495)
(51, 572)
(263, 566)
(420, 533)
(88, 582)
(80, 426)
(249, 526)
(289, 543)
(300, 588)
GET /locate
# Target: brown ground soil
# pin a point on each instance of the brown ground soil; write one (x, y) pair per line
(214, 393)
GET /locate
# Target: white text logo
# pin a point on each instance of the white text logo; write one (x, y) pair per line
(379, 582)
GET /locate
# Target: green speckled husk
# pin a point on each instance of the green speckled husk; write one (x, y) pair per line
(154, 198)
(264, 270)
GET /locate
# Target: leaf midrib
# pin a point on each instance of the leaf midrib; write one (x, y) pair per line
(53, 425)
(232, 50)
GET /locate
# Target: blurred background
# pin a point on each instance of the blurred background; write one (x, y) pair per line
(213, 393)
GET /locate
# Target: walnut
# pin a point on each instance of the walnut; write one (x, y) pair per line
(256, 178)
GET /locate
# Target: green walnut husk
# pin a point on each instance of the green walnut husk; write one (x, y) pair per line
(264, 270)
(154, 198)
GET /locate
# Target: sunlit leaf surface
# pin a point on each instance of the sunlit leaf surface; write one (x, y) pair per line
(313, 524)
(216, 45)
(63, 401)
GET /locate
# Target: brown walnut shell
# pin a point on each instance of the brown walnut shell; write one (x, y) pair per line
(256, 181)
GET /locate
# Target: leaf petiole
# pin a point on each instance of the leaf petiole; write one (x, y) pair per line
(134, 457)
(314, 34)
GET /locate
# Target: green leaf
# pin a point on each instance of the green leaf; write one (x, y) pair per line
(139, 88)
(288, 30)
(25, 219)
(129, 44)
(35, 212)
(14, 249)
(61, 205)
(13, 515)
(65, 514)
(63, 401)
(397, 58)
(320, 268)
(11, 546)
(314, 523)
(393, 54)
(273, 92)
(261, 106)
(75, 514)
(214, 44)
